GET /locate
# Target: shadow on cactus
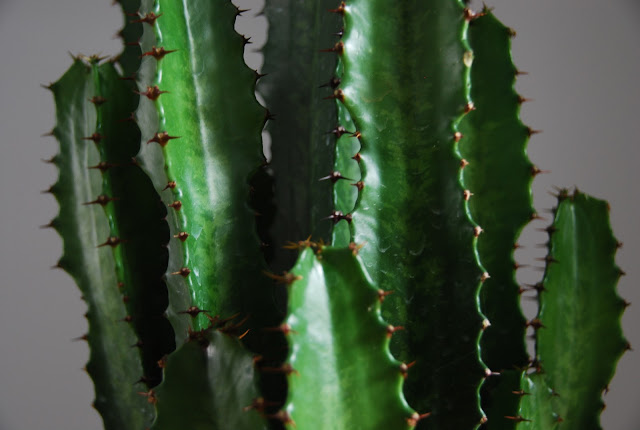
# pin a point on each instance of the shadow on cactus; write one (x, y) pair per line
(398, 176)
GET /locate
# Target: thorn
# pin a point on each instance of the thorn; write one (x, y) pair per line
(334, 176)
(286, 278)
(477, 230)
(157, 53)
(523, 99)
(548, 259)
(404, 368)
(49, 133)
(183, 235)
(338, 131)
(511, 32)
(457, 136)
(469, 107)
(415, 418)
(101, 200)
(96, 137)
(52, 225)
(463, 163)
(112, 241)
(283, 417)
(339, 10)
(162, 363)
(259, 75)
(150, 395)
(338, 216)
(619, 245)
(184, 272)
(536, 324)
(484, 277)
(391, 330)
(485, 324)
(383, 294)
(162, 138)
(176, 205)
(241, 11)
(470, 15)
(84, 337)
(531, 132)
(357, 157)
(245, 40)
(339, 33)
(467, 194)
(131, 77)
(192, 311)
(338, 48)
(149, 18)
(488, 373)
(337, 94)
(47, 87)
(359, 185)
(301, 244)
(535, 171)
(534, 216)
(517, 418)
(127, 319)
(285, 368)
(102, 166)
(170, 185)
(333, 83)
(517, 266)
(283, 328)
(521, 393)
(152, 93)
(520, 72)
(355, 247)
(49, 190)
(97, 100)
(130, 118)
(120, 285)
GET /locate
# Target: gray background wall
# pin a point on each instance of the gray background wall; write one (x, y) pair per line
(582, 58)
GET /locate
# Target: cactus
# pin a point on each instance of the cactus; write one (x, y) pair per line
(398, 177)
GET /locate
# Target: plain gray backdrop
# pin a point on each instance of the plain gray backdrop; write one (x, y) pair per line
(583, 64)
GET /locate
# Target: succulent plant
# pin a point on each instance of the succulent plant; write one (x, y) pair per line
(398, 178)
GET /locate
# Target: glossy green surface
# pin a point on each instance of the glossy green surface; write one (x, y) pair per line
(405, 97)
(113, 364)
(343, 377)
(209, 384)
(536, 411)
(136, 219)
(499, 175)
(581, 340)
(302, 151)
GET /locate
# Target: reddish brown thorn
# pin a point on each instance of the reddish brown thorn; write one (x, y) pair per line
(184, 272)
(283, 417)
(485, 324)
(150, 395)
(241, 11)
(101, 200)
(338, 48)
(536, 324)
(112, 241)
(355, 247)
(337, 216)
(359, 185)
(162, 138)
(531, 132)
(625, 304)
(469, 107)
(356, 134)
(162, 363)
(49, 133)
(463, 163)
(484, 277)
(467, 194)
(383, 295)
(152, 93)
(619, 245)
(157, 53)
(285, 368)
(286, 278)
(176, 205)
(131, 77)
(337, 94)
(548, 259)
(535, 171)
(333, 83)
(391, 330)
(268, 116)
(96, 137)
(97, 100)
(404, 368)
(511, 32)
(521, 72)
(130, 118)
(457, 136)
(102, 166)
(627, 347)
(149, 18)
(340, 9)
(357, 157)
(523, 99)
(52, 160)
(520, 393)
(518, 266)
(534, 216)
(283, 328)
(415, 418)
(517, 418)
(470, 15)
(621, 272)
(334, 177)
(49, 190)
(170, 185)
(84, 337)
(52, 224)
(183, 235)
(488, 373)
(193, 311)
(338, 131)
(301, 244)
(477, 230)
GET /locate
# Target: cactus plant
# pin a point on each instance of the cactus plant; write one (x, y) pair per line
(398, 177)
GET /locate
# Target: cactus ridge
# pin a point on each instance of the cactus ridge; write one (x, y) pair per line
(579, 303)
(340, 343)
(414, 231)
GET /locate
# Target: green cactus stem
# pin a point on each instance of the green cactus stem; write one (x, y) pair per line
(498, 173)
(405, 99)
(209, 383)
(301, 141)
(578, 334)
(341, 375)
(86, 105)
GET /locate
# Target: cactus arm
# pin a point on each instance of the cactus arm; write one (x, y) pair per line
(498, 173)
(113, 365)
(301, 145)
(131, 32)
(339, 358)
(580, 338)
(405, 99)
(135, 217)
(208, 383)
